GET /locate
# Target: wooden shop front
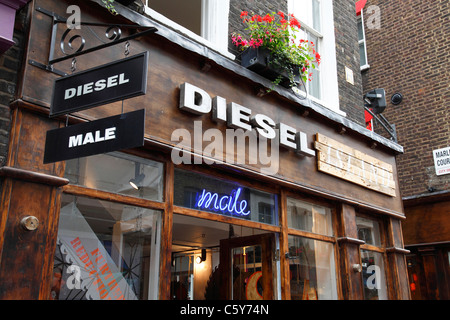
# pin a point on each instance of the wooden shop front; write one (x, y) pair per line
(238, 193)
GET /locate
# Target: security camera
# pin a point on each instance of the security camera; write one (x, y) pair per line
(377, 100)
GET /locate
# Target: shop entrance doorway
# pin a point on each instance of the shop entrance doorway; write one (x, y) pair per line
(246, 265)
(213, 260)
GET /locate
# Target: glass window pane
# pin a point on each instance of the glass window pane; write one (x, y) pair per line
(106, 251)
(202, 192)
(309, 217)
(314, 84)
(362, 54)
(374, 278)
(316, 15)
(116, 172)
(360, 30)
(312, 269)
(246, 271)
(314, 39)
(369, 231)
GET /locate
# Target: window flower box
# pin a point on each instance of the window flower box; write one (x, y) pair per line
(260, 61)
(271, 48)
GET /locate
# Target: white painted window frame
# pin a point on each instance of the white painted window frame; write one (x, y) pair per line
(363, 40)
(214, 25)
(327, 50)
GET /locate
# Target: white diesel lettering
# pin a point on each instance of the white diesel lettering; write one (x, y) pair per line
(99, 85)
(92, 137)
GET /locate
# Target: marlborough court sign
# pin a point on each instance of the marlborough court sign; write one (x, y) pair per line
(442, 161)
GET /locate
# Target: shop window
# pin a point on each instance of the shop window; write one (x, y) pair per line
(374, 279)
(369, 231)
(205, 193)
(266, 211)
(309, 217)
(372, 259)
(247, 268)
(197, 271)
(317, 25)
(205, 21)
(106, 251)
(118, 173)
(312, 269)
(311, 256)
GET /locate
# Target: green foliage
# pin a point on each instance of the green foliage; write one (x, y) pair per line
(277, 32)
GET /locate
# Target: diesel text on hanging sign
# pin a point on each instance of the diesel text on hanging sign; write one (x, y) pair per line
(119, 80)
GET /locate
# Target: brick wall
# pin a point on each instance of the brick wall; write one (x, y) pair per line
(257, 7)
(347, 50)
(10, 63)
(409, 54)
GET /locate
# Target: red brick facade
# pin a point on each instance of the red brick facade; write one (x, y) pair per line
(409, 54)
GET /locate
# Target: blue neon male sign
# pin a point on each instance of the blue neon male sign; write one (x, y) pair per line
(225, 204)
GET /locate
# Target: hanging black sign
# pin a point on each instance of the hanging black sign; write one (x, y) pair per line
(100, 136)
(111, 82)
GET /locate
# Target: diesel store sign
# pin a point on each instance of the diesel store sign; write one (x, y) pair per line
(111, 82)
(100, 136)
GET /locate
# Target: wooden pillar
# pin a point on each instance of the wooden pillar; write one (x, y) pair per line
(284, 249)
(166, 235)
(396, 255)
(29, 188)
(350, 259)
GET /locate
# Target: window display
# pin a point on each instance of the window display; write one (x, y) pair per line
(106, 251)
(372, 259)
(312, 269)
(374, 279)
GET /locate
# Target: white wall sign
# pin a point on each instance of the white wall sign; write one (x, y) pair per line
(442, 161)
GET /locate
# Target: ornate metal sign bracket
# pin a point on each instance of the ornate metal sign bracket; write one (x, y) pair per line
(68, 43)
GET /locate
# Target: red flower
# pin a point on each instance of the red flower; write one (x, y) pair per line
(281, 14)
(318, 57)
(244, 14)
(294, 23)
(257, 18)
(268, 18)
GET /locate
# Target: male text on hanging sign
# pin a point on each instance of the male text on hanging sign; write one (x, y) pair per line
(115, 133)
